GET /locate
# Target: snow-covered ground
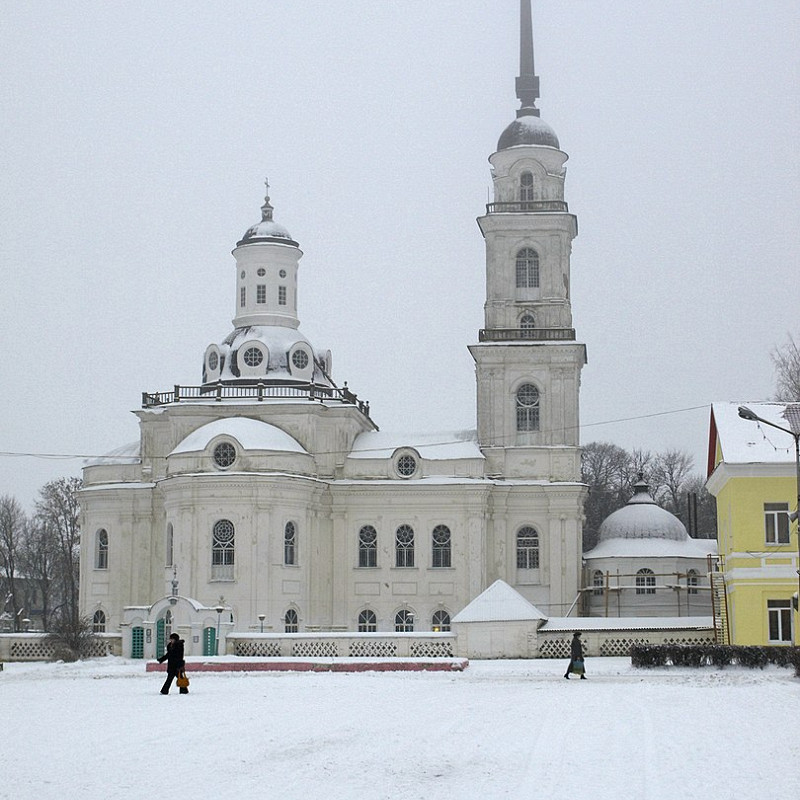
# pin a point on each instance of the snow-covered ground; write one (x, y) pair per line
(507, 729)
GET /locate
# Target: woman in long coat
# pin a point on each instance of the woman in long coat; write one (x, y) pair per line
(175, 662)
(576, 657)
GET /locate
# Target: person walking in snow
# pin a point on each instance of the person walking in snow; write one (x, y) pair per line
(576, 658)
(175, 662)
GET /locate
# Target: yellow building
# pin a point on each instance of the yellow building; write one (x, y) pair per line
(752, 474)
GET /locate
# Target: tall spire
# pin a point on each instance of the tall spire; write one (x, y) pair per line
(528, 81)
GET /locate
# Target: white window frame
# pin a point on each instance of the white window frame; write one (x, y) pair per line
(779, 620)
(776, 523)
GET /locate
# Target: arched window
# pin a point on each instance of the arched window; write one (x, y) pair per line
(290, 621)
(527, 269)
(222, 550)
(169, 560)
(99, 622)
(290, 544)
(101, 549)
(404, 621)
(367, 621)
(440, 622)
(527, 548)
(645, 581)
(526, 325)
(692, 581)
(404, 546)
(527, 408)
(440, 540)
(598, 582)
(368, 547)
(526, 188)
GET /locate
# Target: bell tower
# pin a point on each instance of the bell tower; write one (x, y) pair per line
(527, 361)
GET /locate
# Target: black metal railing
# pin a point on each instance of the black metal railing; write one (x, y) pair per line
(526, 206)
(526, 334)
(258, 391)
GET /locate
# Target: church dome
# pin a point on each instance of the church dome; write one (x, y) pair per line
(527, 129)
(266, 229)
(642, 518)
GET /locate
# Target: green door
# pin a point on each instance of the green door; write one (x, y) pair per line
(209, 641)
(161, 645)
(137, 642)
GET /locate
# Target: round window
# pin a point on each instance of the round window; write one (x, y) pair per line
(242, 275)
(300, 359)
(406, 465)
(262, 272)
(213, 361)
(224, 454)
(253, 356)
(282, 273)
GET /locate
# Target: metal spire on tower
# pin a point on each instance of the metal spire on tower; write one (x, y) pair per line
(266, 209)
(527, 82)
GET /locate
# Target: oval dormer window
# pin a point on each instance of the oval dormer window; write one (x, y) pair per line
(224, 455)
(406, 465)
(300, 359)
(253, 356)
(213, 361)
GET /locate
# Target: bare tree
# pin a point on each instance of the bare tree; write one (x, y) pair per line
(12, 531)
(605, 469)
(39, 560)
(58, 512)
(668, 478)
(786, 360)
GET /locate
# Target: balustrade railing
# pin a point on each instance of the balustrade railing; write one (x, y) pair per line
(526, 206)
(259, 391)
(526, 334)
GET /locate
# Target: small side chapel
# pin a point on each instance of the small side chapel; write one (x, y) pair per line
(266, 498)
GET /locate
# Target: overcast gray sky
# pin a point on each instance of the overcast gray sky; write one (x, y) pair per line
(134, 141)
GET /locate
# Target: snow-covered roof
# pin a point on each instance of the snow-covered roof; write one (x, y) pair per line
(127, 454)
(653, 548)
(252, 434)
(571, 624)
(499, 603)
(744, 442)
(444, 446)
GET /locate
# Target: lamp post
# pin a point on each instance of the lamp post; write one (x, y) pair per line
(792, 416)
(219, 610)
(261, 618)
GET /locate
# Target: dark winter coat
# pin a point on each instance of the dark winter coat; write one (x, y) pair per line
(576, 649)
(173, 656)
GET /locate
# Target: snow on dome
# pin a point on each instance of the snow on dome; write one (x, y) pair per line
(442, 446)
(251, 434)
(642, 518)
(127, 454)
(266, 230)
(499, 603)
(527, 129)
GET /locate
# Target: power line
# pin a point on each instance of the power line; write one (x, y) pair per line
(108, 457)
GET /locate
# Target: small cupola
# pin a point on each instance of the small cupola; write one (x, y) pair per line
(267, 230)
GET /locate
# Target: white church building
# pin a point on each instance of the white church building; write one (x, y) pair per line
(267, 497)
